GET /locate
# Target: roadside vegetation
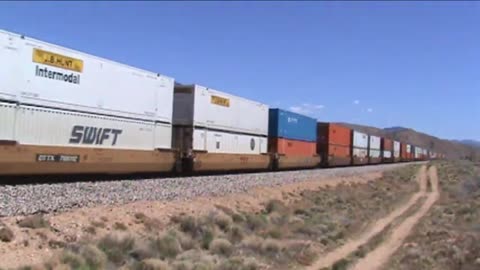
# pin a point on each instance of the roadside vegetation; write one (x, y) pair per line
(280, 236)
(449, 236)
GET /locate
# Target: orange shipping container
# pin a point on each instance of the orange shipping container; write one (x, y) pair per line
(403, 151)
(334, 143)
(291, 147)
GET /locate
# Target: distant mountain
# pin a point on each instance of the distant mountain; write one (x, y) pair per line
(453, 149)
(469, 142)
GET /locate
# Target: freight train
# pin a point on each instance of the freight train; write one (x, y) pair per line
(67, 112)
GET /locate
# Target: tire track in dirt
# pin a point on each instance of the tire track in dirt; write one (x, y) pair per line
(330, 258)
(378, 257)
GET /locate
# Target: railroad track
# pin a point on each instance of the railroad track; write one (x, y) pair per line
(38, 197)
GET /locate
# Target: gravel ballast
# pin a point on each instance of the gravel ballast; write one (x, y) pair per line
(59, 197)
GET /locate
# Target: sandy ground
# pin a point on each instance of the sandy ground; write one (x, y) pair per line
(328, 259)
(30, 246)
(378, 257)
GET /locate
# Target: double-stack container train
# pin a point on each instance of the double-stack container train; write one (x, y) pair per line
(67, 112)
(292, 140)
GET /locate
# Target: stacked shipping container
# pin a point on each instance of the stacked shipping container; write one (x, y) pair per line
(334, 144)
(217, 131)
(359, 148)
(374, 150)
(387, 150)
(396, 151)
(292, 139)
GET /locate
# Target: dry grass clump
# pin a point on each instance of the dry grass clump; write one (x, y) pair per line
(271, 246)
(223, 221)
(98, 224)
(94, 257)
(34, 222)
(221, 247)
(120, 226)
(90, 230)
(167, 246)
(275, 206)
(153, 264)
(117, 247)
(75, 261)
(151, 224)
(6, 234)
(306, 254)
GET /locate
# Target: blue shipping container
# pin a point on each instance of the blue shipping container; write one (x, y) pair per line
(289, 125)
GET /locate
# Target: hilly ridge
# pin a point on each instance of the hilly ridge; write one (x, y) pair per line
(453, 149)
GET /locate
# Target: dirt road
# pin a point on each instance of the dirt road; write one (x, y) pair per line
(375, 259)
(352, 245)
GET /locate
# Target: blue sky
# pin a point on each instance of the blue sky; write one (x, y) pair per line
(412, 64)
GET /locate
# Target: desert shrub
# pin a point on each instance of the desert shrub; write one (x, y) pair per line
(236, 234)
(153, 264)
(34, 222)
(341, 264)
(255, 222)
(207, 236)
(120, 226)
(221, 247)
(99, 224)
(188, 224)
(167, 246)
(223, 221)
(237, 218)
(306, 255)
(271, 246)
(90, 230)
(75, 261)
(186, 242)
(140, 216)
(6, 234)
(150, 224)
(94, 257)
(225, 210)
(183, 265)
(275, 233)
(252, 242)
(250, 264)
(274, 206)
(117, 247)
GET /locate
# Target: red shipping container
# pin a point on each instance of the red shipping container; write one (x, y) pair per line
(292, 147)
(387, 144)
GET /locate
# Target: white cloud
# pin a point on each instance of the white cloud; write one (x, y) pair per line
(299, 109)
(369, 110)
(356, 102)
(306, 108)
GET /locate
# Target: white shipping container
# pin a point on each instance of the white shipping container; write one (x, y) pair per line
(37, 126)
(7, 121)
(360, 140)
(409, 148)
(226, 142)
(360, 152)
(396, 149)
(375, 142)
(374, 153)
(207, 108)
(418, 152)
(42, 74)
(396, 146)
(387, 154)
